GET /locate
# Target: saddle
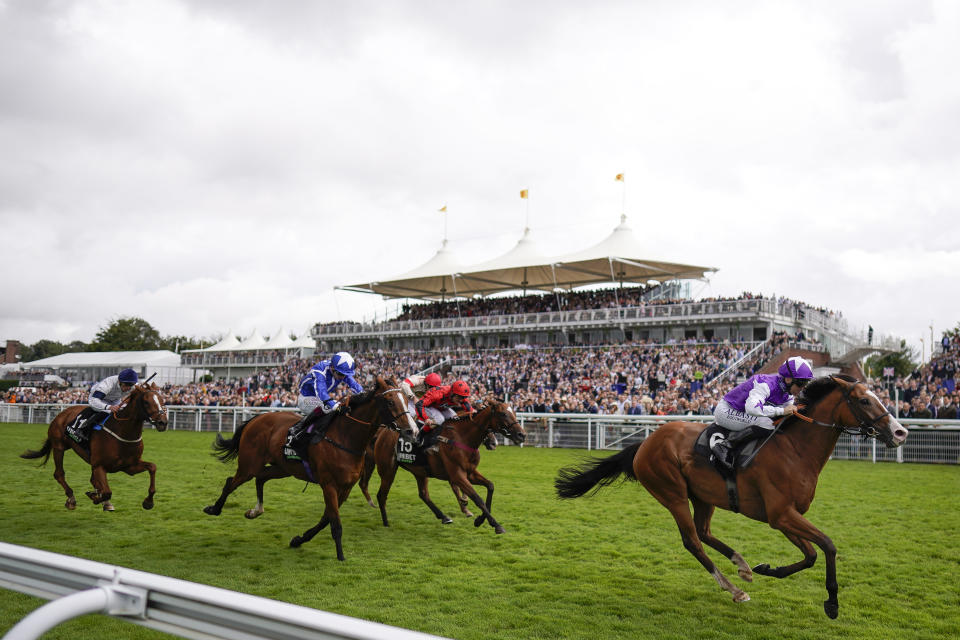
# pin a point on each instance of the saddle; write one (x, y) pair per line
(86, 421)
(295, 448)
(743, 455)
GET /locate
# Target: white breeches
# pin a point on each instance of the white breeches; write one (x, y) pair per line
(439, 415)
(306, 404)
(727, 416)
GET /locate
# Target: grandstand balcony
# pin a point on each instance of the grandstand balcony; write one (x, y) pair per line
(753, 319)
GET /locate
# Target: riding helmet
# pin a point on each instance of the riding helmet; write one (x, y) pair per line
(128, 376)
(796, 367)
(342, 362)
(433, 380)
(460, 388)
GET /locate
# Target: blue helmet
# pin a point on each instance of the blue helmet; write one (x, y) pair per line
(128, 376)
(343, 363)
(796, 367)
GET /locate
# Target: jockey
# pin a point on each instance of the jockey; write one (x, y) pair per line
(107, 395)
(314, 401)
(441, 403)
(747, 409)
(415, 387)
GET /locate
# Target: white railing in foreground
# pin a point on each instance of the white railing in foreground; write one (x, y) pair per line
(77, 587)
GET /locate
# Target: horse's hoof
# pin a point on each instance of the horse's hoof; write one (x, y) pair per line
(148, 504)
(296, 541)
(741, 597)
(93, 495)
(832, 609)
(762, 569)
(499, 529)
(468, 513)
(250, 514)
(71, 504)
(107, 506)
(479, 520)
(211, 510)
(746, 575)
(446, 520)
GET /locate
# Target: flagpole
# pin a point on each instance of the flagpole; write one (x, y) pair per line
(621, 178)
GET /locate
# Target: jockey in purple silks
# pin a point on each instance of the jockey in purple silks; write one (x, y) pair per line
(748, 409)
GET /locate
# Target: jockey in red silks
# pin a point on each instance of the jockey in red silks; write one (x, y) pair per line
(441, 403)
(415, 387)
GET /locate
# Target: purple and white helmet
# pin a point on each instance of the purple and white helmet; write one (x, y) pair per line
(796, 367)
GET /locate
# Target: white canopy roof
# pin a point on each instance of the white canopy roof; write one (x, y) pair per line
(228, 343)
(250, 343)
(279, 341)
(618, 258)
(305, 341)
(118, 359)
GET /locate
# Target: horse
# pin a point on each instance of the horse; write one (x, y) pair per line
(777, 488)
(369, 464)
(455, 459)
(334, 462)
(116, 446)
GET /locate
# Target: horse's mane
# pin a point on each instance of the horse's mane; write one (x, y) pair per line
(819, 388)
(366, 395)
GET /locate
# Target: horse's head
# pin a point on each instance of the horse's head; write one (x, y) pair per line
(392, 404)
(505, 421)
(148, 396)
(857, 409)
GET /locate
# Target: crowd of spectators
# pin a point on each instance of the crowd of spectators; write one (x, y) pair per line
(638, 378)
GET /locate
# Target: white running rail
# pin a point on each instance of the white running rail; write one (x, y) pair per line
(77, 587)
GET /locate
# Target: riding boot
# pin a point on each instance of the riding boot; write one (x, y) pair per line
(723, 449)
(297, 432)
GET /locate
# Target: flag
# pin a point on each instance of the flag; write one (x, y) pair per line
(620, 177)
(888, 372)
(523, 194)
(442, 209)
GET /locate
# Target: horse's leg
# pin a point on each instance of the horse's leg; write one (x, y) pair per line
(667, 484)
(463, 502)
(270, 473)
(102, 495)
(364, 482)
(791, 523)
(702, 513)
(460, 479)
(331, 516)
(476, 478)
(229, 487)
(61, 477)
(139, 467)
(809, 558)
(387, 471)
(424, 494)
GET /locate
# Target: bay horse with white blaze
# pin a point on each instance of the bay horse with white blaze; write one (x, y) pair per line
(334, 461)
(116, 446)
(455, 459)
(777, 488)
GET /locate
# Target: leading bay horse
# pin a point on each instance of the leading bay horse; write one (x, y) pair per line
(455, 459)
(777, 488)
(334, 462)
(116, 446)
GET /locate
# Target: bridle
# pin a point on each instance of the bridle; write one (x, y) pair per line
(393, 426)
(866, 426)
(154, 419)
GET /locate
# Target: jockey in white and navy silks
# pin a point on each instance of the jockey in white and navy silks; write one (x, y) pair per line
(314, 400)
(107, 394)
(748, 410)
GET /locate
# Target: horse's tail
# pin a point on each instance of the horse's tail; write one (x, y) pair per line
(226, 449)
(45, 450)
(595, 473)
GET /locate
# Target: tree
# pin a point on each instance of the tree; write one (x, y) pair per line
(903, 362)
(41, 349)
(179, 343)
(127, 334)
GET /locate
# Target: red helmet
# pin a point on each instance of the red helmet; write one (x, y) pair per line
(460, 388)
(433, 379)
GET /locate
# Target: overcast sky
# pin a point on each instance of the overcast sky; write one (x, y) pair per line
(214, 166)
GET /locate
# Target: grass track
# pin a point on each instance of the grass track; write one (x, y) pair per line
(610, 566)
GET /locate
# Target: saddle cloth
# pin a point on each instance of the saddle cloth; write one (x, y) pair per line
(743, 455)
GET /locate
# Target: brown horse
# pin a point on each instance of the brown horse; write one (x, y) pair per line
(370, 463)
(116, 446)
(777, 488)
(334, 462)
(455, 459)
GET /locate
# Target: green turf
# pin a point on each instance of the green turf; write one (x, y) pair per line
(609, 566)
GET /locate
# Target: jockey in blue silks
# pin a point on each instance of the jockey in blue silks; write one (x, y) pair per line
(748, 409)
(105, 398)
(314, 401)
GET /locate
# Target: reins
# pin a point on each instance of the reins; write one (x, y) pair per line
(866, 425)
